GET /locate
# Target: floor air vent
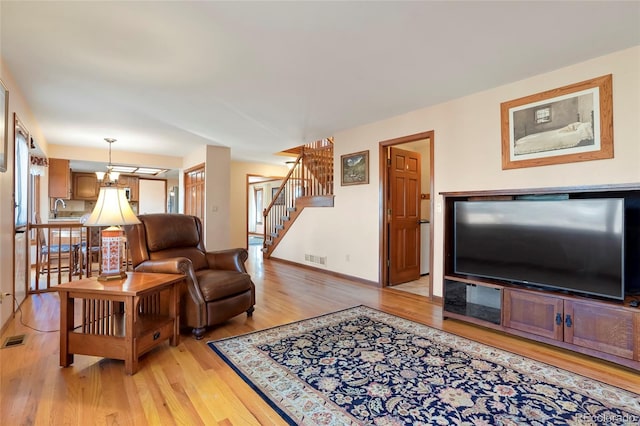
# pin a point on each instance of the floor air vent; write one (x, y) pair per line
(321, 260)
(13, 341)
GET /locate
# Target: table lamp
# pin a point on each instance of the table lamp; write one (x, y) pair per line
(112, 210)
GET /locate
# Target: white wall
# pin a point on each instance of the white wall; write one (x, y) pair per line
(118, 156)
(218, 198)
(467, 155)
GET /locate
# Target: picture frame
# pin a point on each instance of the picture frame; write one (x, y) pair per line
(4, 126)
(280, 200)
(354, 168)
(564, 125)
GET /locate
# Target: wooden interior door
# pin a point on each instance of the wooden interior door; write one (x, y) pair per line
(404, 216)
(194, 187)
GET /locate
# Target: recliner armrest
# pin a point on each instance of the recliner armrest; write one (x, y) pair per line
(228, 260)
(173, 265)
(181, 265)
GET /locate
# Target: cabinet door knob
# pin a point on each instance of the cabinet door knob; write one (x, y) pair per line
(568, 321)
(558, 319)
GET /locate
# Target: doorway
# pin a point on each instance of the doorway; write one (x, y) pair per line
(406, 234)
(260, 190)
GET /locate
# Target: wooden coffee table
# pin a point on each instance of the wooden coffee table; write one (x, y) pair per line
(119, 319)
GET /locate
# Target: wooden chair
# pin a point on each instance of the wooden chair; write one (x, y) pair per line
(90, 250)
(49, 253)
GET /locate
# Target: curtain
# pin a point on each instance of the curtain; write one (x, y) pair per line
(38, 165)
(22, 181)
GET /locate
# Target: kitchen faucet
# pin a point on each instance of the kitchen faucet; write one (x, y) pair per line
(55, 206)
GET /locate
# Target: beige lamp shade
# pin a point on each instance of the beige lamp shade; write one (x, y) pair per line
(112, 209)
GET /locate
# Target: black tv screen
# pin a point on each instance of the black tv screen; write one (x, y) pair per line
(576, 245)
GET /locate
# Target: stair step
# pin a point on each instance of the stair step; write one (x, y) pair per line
(279, 226)
(291, 209)
(286, 218)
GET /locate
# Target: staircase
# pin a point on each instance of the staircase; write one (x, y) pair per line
(309, 183)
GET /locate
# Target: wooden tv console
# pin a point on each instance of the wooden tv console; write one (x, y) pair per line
(607, 330)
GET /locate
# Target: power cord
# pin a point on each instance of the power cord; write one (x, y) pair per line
(26, 325)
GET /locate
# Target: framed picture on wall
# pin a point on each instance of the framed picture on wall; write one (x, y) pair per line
(277, 201)
(563, 125)
(354, 168)
(4, 125)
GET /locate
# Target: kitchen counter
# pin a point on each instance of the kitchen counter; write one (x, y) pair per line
(65, 219)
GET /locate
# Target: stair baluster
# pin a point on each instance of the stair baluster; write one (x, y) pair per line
(309, 183)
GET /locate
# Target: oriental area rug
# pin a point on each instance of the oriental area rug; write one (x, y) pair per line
(361, 366)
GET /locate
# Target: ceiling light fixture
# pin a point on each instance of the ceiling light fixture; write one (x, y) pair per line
(110, 177)
(138, 170)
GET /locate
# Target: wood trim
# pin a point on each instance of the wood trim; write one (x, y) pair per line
(556, 190)
(383, 272)
(196, 167)
(327, 272)
(315, 201)
(199, 186)
(18, 128)
(636, 332)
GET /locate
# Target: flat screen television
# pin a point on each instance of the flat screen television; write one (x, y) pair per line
(573, 245)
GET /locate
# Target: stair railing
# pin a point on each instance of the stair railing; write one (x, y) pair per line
(310, 176)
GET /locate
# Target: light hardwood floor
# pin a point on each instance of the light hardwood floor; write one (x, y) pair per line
(419, 286)
(189, 384)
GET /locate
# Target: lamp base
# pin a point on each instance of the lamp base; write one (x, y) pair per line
(111, 255)
(110, 277)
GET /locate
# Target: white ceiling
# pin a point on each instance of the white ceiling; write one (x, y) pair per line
(165, 77)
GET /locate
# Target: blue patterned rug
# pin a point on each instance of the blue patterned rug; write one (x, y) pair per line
(361, 366)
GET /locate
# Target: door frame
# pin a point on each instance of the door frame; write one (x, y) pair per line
(248, 183)
(20, 128)
(383, 221)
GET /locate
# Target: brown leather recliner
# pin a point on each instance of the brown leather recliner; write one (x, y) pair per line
(218, 284)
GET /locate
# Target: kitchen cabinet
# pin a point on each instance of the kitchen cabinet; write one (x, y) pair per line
(131, 182)
(59, 178)
(85, 186)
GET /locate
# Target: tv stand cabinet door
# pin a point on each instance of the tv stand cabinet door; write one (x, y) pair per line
(606, 329)
(533, 313)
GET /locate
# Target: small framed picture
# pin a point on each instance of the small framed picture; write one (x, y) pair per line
(277, 201)
(355, 168)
